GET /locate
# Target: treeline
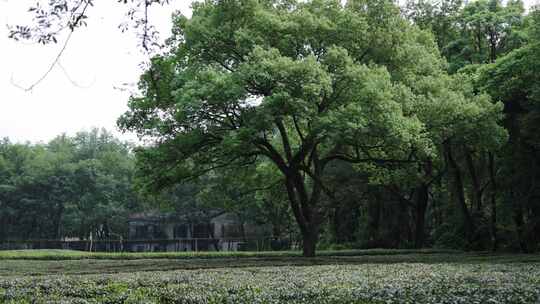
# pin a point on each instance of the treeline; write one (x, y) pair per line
(85, 186)
(496, 190)
(475, 195)
(73, 186)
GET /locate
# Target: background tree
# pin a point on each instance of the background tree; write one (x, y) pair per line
(70, 187)
(485, 31)
(514, 80)
(473, 33)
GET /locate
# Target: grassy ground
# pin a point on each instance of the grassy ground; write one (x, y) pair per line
(35, 263)
(334, 277)
(395, 283)
(53, 254)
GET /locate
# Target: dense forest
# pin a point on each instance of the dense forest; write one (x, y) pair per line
(364, 125)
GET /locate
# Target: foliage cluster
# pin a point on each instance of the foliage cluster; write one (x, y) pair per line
(494, 45)
(70, 187)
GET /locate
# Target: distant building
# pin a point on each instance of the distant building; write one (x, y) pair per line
(216, 231)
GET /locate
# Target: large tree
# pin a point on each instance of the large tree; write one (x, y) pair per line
(514, 79)
(299, 84)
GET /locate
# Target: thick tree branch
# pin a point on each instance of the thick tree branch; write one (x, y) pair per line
(284, 138)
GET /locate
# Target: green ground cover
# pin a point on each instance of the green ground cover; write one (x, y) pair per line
(366, 284)
(364, 277)
(53, 254)
(28, 267)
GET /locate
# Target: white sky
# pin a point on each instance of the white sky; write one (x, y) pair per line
(98, 58)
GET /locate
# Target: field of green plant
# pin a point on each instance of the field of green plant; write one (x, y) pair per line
(361, 276)
(366, 284)
(54, 254)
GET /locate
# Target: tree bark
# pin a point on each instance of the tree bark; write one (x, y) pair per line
(459, 193)
(493, 201)
(535, 230)
(404, 232)
(374, 215)
(513, 109)
(3, 227)
(304, 214)
(520, 226)
(309, 242)
(58, 221)
(476, 188)
(421, 207)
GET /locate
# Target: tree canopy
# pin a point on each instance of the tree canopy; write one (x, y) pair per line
(301, 85)
(71, 187)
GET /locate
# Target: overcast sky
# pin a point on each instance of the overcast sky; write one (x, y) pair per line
(98, 59)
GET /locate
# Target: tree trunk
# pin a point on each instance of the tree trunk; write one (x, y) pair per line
(513, 109)
(404, 233)
(309, 242)
(476, 189)
(374, 215)
(520, 226)
(534, 237)
(459, 194)
(307, 219)
(493, 201)
(3, 227)
(58, 221)
(421, 206)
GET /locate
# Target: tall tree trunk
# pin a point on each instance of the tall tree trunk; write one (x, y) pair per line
(57, 222)
(513, 109)
(493, 201)
(422, 197)
(309, 241)
(520, 225)
(459, 193)
(404, 225)
(3, 227)
(493, 38)
(374, 215)
(308, 221)
(476, 188)
(535, 230)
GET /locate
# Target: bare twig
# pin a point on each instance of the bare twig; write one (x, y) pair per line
(48, 71)
(72, 26)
